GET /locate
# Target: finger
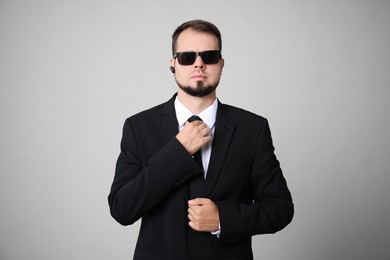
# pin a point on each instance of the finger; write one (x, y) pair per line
(194, 219)
(193, 202)
(207, 139)
(190, 218)
(197, 201)
(206, 130)
(195, 123)
(191, 212)
(193, 226)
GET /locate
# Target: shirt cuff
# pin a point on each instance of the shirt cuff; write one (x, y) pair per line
(218, 232)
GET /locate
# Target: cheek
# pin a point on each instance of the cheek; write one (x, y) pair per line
(215, 74)
(182, 74)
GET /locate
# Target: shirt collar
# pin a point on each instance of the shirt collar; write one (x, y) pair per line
(208, 115)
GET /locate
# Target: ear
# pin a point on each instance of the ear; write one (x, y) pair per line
(222, 62)
(172, 62)
(172, 67)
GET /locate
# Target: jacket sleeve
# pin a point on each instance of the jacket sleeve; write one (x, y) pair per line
(271, 208)
(139, 186)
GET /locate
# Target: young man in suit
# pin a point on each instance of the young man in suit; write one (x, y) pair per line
(202, 175)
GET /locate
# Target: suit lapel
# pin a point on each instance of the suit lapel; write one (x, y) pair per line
(224, 129)
(168, 122)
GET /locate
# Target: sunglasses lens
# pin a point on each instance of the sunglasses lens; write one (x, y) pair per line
(186, 58)
(210, 57)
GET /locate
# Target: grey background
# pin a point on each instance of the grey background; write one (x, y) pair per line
(72, 71)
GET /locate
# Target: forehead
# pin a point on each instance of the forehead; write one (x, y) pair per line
(191, 40)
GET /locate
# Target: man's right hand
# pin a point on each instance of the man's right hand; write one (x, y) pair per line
(194, 136)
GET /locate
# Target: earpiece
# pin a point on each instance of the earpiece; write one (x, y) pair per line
(172, 69)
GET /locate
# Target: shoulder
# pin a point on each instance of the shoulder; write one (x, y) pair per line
(154, 112)
(240, 114)
(247, 125)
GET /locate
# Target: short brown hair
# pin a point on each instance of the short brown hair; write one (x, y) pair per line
(199, 26)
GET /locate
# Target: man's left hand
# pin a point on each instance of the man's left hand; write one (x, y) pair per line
(203, 215)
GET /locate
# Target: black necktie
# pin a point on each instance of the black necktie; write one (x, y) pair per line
(198, 154)
(197, 182)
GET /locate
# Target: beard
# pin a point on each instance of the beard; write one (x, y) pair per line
(200, 90)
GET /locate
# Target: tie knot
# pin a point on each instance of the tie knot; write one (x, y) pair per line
(194, 118)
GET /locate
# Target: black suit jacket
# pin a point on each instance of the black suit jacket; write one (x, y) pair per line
(153, 175)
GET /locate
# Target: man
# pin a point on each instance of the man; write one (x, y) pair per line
(202, 185)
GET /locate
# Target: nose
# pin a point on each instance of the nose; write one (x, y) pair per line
(199, 64)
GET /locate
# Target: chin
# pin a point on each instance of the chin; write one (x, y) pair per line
(199, 91)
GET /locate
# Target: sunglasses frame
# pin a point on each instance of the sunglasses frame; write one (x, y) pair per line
(198, 53)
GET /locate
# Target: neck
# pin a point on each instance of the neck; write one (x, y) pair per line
(196, 104)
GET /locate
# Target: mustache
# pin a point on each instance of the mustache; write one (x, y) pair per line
(198, 73)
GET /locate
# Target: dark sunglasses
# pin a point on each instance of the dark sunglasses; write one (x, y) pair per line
(189, 57)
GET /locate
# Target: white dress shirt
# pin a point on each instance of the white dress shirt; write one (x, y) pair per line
(208, 116)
